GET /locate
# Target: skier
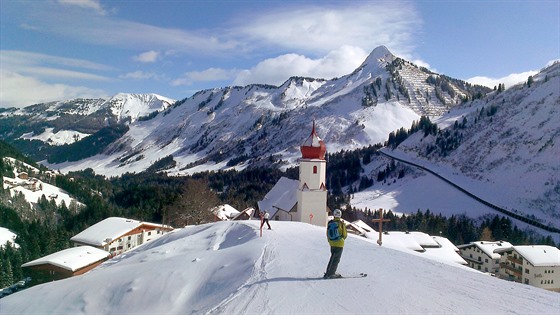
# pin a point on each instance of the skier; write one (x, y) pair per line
(264, 219)
(336, 234)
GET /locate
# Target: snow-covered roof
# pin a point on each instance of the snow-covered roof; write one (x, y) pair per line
(539, 255)
(225, 212)
(282, 196)
(248, 211)
(71, 259)
(362, 225)
(424, 239)
(107, 230)
(397, 239)
(445, 251)
(491, 249)
(7, 236)
(445, 242)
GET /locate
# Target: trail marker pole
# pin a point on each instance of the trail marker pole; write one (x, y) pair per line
(262, 222)
(310, 218)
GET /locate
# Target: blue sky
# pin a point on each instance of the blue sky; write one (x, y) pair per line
(62, 49)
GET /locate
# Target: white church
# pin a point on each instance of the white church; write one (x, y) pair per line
(303, 200)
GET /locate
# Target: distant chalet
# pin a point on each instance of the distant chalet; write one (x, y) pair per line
(118, 235)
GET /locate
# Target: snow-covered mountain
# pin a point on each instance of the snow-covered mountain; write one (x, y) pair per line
(241, 126)
(503, 143)
(502, 148)
(226, 268)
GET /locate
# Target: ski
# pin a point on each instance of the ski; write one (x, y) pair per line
(360, 275)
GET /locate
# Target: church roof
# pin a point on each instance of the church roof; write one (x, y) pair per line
(282, 196)
(313, 147)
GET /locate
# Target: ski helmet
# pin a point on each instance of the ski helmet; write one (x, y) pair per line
(337, 213)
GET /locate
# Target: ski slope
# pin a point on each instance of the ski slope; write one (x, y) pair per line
(226, 268)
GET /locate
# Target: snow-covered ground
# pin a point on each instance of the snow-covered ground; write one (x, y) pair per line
(7, 236)
(60, 137)
(226, 268)
(33, 189)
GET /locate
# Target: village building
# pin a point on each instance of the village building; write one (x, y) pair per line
(228, 213)
(483, 255)
(536, 265)
(435, 247)
(118, 235)
(65, 263)
(303, 200)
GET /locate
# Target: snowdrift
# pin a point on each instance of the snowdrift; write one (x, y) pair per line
(227, 268)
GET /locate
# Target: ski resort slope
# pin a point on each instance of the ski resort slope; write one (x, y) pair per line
(226, 268)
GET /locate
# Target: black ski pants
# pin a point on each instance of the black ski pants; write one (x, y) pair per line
(336, 253)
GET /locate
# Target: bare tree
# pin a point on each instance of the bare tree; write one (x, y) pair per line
(193, 205)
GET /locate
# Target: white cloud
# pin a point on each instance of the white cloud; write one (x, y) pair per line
(19, 91)
(16, 58)
(141, 75)
(323, 29)
(114, 32)
(277, 70)
(50, 67)
(86, 4)
(509, 80)
(211, 74)
(148, 56)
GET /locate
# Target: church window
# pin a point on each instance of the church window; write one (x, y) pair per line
(314, 169)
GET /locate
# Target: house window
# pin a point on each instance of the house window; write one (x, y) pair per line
(526, 281)
(149, 233)
(314, 169)
(129, 238)
(526, 270)
(479, 258)
(486, 260)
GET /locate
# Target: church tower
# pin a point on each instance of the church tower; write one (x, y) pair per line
(312, 190)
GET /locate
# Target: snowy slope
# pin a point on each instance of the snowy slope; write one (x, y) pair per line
(7, 236)
(32, 188)
(509, 159)
(225, 268)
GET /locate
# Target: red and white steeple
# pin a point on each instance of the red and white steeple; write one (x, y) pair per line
(313, 147)
(312, 192)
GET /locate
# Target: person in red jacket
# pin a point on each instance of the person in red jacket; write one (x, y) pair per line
(336, 234)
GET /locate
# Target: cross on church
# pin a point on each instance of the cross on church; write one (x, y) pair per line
(380, 221)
